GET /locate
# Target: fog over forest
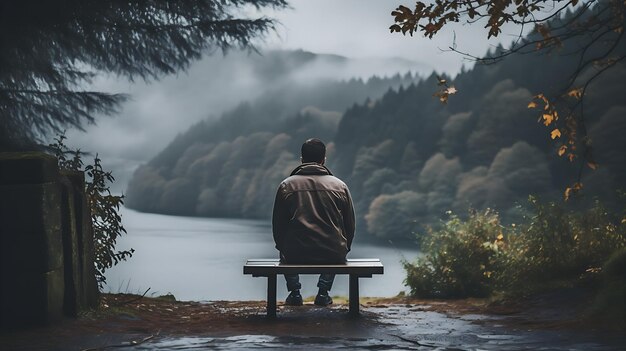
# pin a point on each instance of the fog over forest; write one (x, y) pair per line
(408, 158)
(158, 111)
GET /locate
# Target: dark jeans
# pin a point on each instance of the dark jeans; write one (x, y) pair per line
(325, 282)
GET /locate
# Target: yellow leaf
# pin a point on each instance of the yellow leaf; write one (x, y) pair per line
(532, 104)
(547, 119)
(575, 93)
(562, 150)
(451, 90)
(556, 133)
(500, 236)
(567, 193)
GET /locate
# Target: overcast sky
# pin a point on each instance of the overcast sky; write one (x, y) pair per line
(360, 28)
(357, 29)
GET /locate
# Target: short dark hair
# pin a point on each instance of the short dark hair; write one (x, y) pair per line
(313, 150)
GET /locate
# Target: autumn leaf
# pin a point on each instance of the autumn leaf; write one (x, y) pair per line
(567, 193)
(562, 150)
(547, 119)
(574, 189)
(571, 157)
(532, 104)
(500, 236)
(556, 133)
(592, 165)
(451, 90)
(576, 93)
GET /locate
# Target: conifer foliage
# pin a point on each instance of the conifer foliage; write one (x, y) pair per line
(50, 50)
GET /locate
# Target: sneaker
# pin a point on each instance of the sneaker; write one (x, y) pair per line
(323, 300)
(294, 299)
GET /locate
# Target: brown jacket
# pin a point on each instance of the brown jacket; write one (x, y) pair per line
(313, 219)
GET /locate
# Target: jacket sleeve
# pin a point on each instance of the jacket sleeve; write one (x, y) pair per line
(348, 219)
(279, 218)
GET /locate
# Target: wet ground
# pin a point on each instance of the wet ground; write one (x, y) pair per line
(128, 323)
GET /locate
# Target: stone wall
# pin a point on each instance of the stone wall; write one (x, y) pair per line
(46, 241)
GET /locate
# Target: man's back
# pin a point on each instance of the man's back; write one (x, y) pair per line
(313, 220)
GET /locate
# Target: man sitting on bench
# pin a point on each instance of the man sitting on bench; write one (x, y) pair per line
(313, 220)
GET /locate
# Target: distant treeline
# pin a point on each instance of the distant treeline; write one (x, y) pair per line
(231, 167)
(407, 158)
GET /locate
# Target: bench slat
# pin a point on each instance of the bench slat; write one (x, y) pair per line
(364, 267)
(276, 264)
(349, 260)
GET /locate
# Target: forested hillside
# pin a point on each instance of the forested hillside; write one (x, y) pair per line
(407, 157)
(231, 167)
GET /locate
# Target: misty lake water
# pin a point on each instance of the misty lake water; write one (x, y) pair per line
(202, 259)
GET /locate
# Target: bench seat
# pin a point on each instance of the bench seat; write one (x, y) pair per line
(355, 268)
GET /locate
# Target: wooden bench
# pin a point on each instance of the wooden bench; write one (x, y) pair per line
(356, 268)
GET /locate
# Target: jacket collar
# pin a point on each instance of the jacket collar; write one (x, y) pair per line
(311, 168)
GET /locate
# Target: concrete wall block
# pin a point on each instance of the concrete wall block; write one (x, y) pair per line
(91, 293)
(89, 296)
(30, 227)
(27, 168)
(33, 299)
(71, 262)
(46, 241)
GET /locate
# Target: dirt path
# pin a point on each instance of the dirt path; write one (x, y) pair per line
(128, 323)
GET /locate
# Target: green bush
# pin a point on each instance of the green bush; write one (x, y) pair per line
(478, 256)
(461, 259)
(103, 206)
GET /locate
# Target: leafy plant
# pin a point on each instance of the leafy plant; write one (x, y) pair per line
(461, 259)
(61, 151)
(479, 256)
(103, 206)
(107, 222)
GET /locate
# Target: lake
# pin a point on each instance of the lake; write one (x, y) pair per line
(202, 259)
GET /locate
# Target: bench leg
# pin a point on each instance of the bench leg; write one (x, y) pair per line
(354, 295)
(271, 295)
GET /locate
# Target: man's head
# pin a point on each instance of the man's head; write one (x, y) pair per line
(313, 150)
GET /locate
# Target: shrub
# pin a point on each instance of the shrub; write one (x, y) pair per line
(556, 245)
(104, 207)
(461, 259)
(478, 256)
